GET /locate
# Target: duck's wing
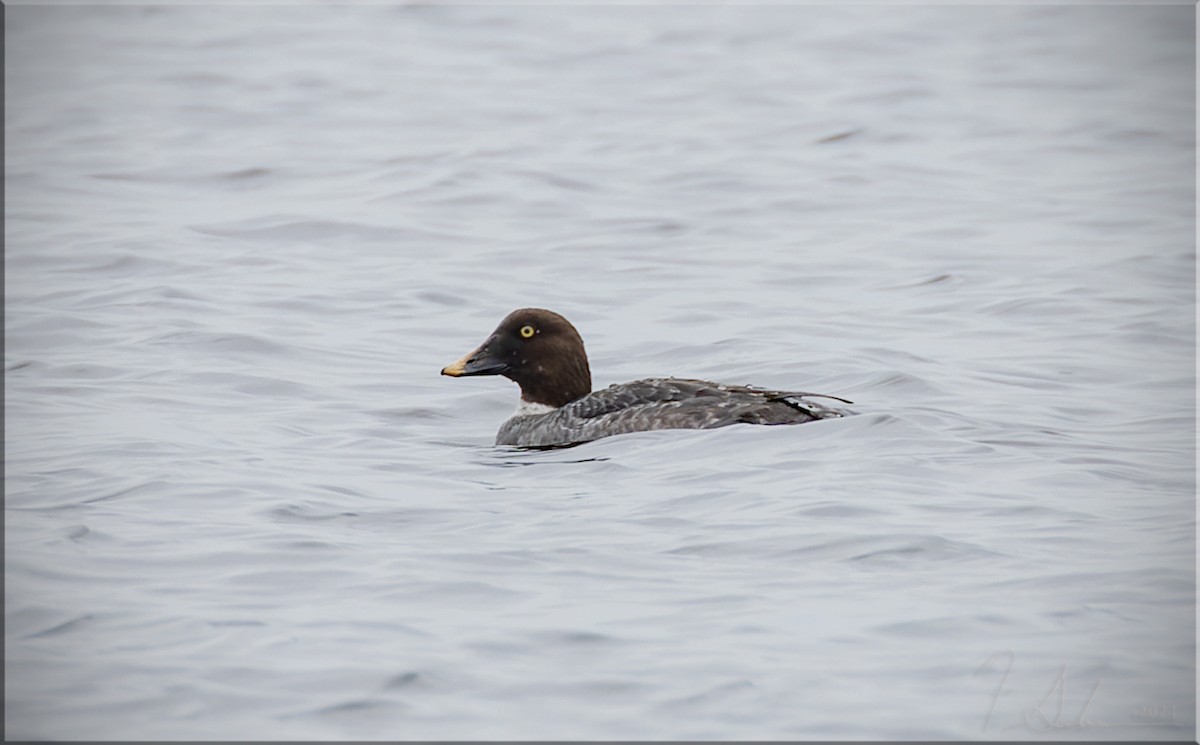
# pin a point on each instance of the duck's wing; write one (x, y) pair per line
(623, 397)
(678, 403)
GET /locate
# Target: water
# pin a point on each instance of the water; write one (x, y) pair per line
(242, 242)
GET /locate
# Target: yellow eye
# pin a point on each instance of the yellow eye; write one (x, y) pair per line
(527, 332)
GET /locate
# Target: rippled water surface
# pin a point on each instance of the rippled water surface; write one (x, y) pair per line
(241, 243)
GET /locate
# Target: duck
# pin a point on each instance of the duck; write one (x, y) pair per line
(543, 353)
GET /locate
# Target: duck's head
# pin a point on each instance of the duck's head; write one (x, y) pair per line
(537, 349)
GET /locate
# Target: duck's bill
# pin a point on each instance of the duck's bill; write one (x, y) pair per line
(479, 362)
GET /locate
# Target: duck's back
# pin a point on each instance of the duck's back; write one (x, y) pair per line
(659, 403)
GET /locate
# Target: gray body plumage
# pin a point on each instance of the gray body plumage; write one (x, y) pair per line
(659, 403)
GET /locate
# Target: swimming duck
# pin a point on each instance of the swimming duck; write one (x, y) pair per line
(542, 352)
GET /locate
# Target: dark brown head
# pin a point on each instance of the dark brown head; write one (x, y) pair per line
(537, 349)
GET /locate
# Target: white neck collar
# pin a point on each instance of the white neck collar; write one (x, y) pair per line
(529, 408)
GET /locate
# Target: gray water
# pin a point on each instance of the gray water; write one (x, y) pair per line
(240, 502)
